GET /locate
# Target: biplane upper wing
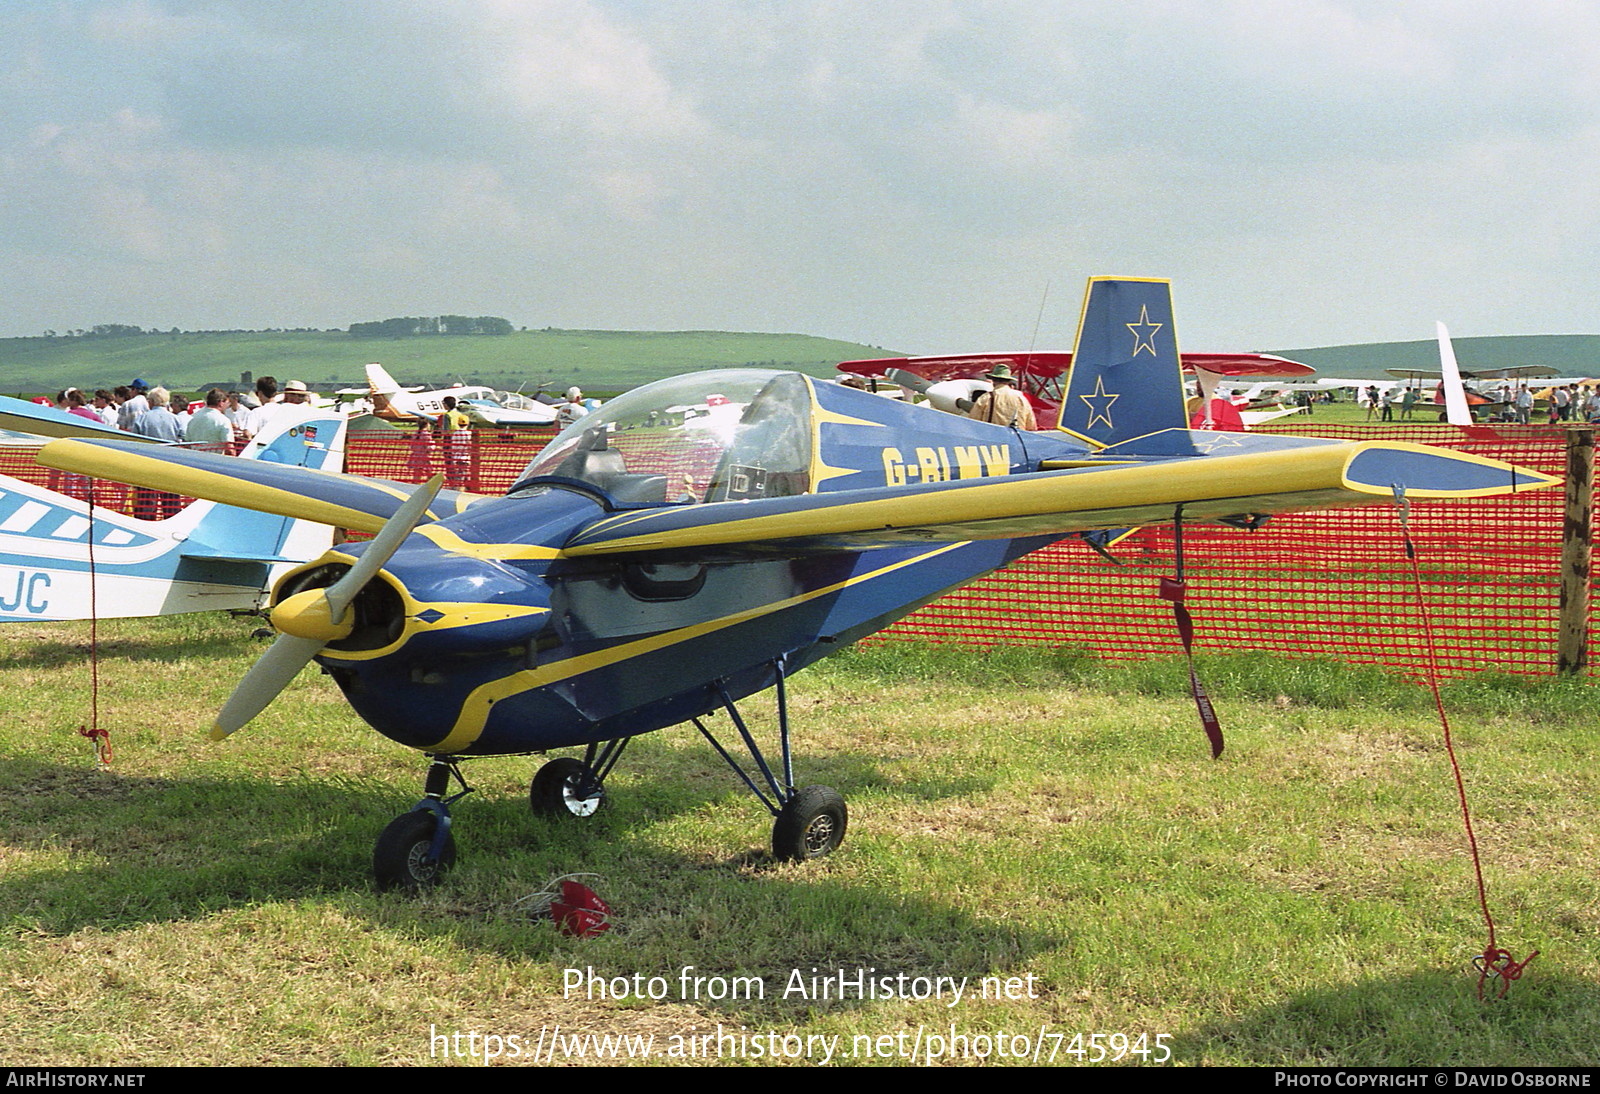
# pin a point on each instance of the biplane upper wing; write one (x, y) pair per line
(1051, 363)
(344, 501)
(1130, 489)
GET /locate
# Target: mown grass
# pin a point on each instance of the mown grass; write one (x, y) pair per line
(1015, 813)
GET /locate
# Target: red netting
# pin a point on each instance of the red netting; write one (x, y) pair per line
(488, 464)
(1333, 583)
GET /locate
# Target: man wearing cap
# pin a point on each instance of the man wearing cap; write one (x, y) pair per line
(1004, 405)
(133, 406)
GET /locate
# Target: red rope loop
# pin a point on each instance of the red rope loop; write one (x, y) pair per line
(102, 743)
(1497, 962)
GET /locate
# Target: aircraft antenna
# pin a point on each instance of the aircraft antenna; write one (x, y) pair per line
(1037, 320)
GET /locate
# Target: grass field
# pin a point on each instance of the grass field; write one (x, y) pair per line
(1039, 819)
(603, 360)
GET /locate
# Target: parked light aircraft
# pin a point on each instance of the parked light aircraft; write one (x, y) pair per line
(485, 405)
(206, 557)
(1470, 401)
(653, 564)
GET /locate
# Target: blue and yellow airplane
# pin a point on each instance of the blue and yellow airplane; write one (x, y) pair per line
(60, 558)
(699, 539)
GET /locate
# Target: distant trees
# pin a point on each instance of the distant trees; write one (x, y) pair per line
(414, 327)
(386, 328)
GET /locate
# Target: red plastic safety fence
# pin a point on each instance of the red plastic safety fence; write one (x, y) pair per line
(478, 462)
(1332, 583)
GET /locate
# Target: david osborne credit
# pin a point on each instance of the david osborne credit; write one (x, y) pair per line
(813, 985)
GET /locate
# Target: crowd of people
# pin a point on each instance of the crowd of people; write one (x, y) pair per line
(1512, 403)
(224, 419)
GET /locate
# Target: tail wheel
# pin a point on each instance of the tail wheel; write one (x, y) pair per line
(566, 788)
(810, 824)
(403, 858)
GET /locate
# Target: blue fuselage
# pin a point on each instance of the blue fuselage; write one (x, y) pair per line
(503, 651)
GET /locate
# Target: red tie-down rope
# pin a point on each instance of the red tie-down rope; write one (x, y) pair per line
(1493, 961)
(99, 735)
(1174, 589)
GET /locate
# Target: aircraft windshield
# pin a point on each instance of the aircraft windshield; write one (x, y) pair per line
(709, 436)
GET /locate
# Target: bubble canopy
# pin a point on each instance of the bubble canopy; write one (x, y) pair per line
(723, 435)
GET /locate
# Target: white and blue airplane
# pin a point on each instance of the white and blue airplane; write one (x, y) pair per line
(60, 559)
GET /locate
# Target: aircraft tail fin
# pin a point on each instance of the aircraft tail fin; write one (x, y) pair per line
(313, 439)
(1126, 378)
(1455, 393)
(379, 382)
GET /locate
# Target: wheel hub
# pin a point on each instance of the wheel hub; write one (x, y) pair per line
(819, 834)
(419, 865)
(579, 805)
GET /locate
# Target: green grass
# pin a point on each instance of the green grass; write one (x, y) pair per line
(603, 360)
(1015, 813)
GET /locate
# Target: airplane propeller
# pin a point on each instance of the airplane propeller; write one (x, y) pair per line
(908, 380)
(309, 620)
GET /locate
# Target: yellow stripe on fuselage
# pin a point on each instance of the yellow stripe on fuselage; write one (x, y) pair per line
(475, 708)
(447, 540)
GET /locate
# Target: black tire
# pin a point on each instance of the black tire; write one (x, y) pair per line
(811, 824)
(400, 859)
(565, 788)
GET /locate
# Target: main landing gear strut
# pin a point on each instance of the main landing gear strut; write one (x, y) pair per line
(808, 822)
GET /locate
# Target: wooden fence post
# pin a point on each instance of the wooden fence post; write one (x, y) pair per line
(1572, 643)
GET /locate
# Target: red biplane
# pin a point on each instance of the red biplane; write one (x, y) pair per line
(1040, 376)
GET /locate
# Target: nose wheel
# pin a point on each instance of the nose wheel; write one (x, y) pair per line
(409, 855)
(416, 849)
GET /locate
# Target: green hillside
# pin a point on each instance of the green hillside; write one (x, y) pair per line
(1568, 354)
(595, 359)
(602, 360)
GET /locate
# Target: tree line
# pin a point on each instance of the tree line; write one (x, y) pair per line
(412, 327)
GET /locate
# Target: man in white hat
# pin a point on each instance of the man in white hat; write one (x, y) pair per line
(1004, 404)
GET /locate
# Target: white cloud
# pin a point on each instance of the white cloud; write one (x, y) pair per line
(906, 173)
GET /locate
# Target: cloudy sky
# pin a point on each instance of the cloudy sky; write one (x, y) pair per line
(913, 175)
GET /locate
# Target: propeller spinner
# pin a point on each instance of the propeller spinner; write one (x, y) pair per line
(309, 620)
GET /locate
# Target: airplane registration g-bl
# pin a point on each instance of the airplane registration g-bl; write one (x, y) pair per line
(60, 558)
(699, 539)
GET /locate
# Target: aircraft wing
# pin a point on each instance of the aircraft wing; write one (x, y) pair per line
(46, 421)
(1133, 490)
(1047, 364)
(344, 501)
(1135, 483)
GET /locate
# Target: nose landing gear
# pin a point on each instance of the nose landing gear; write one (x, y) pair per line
(417, 848)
